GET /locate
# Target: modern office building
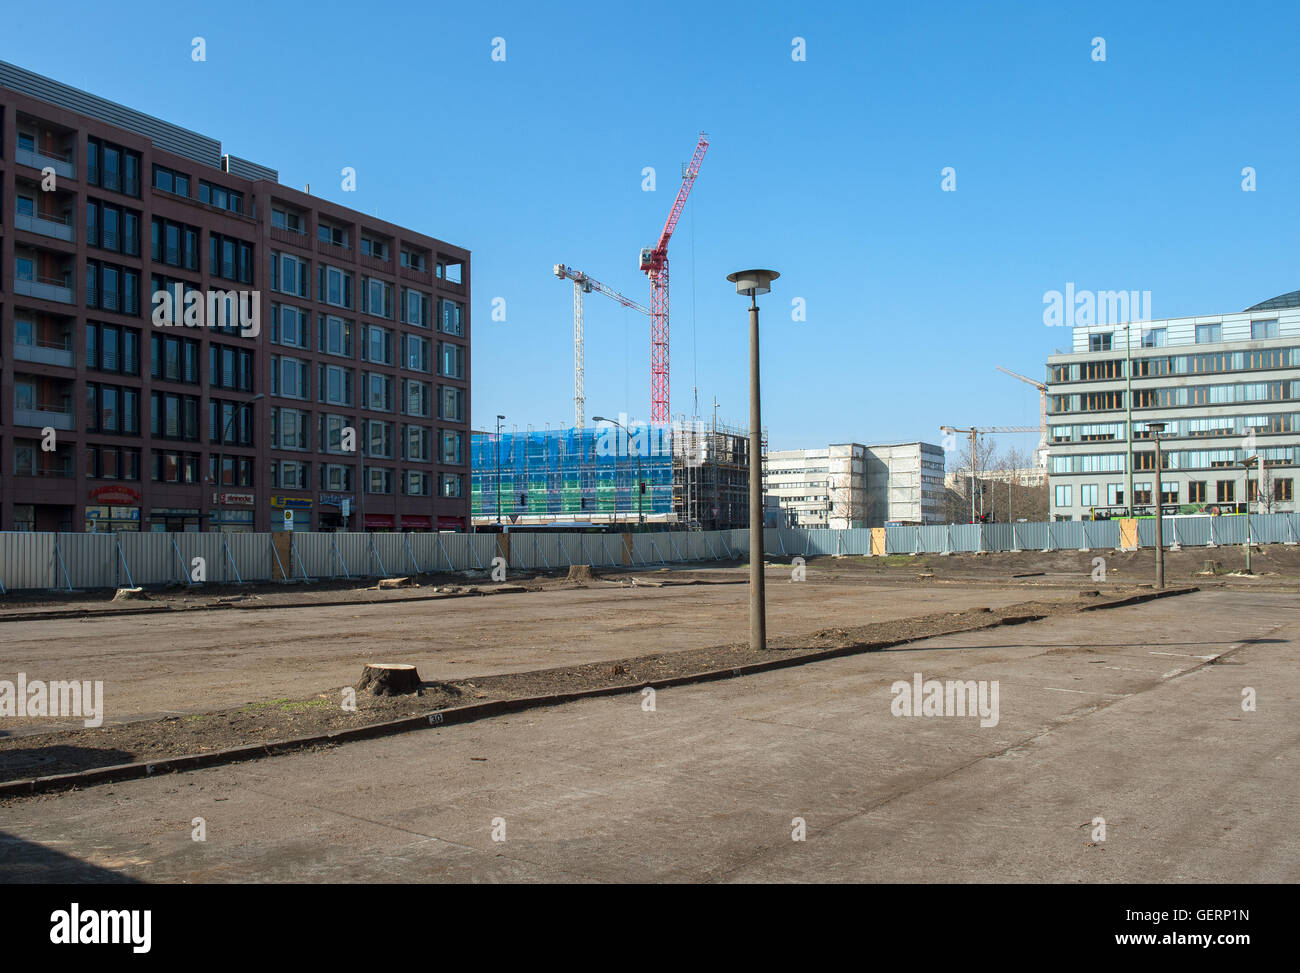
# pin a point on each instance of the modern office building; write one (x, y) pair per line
(187, 344)
(1225, 386)
(695, 477)
(853, 485)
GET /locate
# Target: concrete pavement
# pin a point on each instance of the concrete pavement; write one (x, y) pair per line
(1113, 715)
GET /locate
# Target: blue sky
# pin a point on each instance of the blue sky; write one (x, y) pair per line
(1123, 174)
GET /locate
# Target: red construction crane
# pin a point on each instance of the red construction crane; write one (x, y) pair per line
(654, 261)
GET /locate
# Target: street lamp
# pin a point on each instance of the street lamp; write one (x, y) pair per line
(752, 283)
(498, 451)
(1246, 465)
(640, 517)
(221, 456)
(1156, 428)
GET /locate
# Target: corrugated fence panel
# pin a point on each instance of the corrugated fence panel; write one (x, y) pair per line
(150, 557)
(27, 561)
(253, 556)
(191, 552)
(1101, 534)
(965, 537)
(899, 540)
(91, 560)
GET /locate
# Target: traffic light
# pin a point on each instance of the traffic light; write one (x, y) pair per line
(523, 499)
(643, 486)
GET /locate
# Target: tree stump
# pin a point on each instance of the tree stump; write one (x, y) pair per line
(389, 679)
(580, 572)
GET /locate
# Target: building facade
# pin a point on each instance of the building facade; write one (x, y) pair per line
(1225, 386)
(848, 485)
(187, 344)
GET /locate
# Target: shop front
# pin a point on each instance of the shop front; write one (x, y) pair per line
(336, 511)
(174, 520)
(302, 513)
(380, 522)
(232, 513)
(113, 509)
(450, 523)
(417, 522)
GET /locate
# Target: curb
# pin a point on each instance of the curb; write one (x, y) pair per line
(498, 707)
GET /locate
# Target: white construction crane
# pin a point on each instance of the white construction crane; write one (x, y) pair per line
(1040, 454)
(583, 284)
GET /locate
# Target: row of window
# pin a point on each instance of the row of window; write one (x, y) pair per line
(1208, 363)
(1198, 491)
(341, 478)
(1176, 459)
(290, 328)
(1166, 397)
(111, 166)
(334, 286)
(335, 385)
(291, 429)
(1179, 428)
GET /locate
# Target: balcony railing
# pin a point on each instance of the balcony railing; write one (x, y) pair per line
(377, 263)
(46, 289)
(45, 352)
(292, 237)
(44, 414)
(62, 166)
(62, 471)
(58, 227)
(411, 273)
(333, 249)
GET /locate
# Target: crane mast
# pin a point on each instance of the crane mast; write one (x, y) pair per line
(654, 263)
(584, 284)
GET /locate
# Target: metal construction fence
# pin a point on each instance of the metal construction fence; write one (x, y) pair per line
(34, 561)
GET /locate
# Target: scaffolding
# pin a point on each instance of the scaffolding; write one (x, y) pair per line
(711, 475)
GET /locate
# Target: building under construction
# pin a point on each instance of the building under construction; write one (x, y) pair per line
(692, 476)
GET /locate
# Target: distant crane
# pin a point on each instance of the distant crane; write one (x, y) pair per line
(583, 284)
(1040, 454)
(974, 432)
(654, 262)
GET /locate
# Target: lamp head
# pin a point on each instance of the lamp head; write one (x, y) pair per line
(753, 282)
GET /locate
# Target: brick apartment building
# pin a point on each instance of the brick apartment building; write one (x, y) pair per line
(354, 333)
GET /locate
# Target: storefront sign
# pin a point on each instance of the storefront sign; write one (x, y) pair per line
(115, 494)
(292, 503)
(337, 499)
(242, 499)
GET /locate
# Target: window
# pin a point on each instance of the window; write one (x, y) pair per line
(332, 433)
(171, 181)
(416, 484)
(173, 467)
(1263, 329)
(336, 478)
(230, 368)
(452, 446)
(112, 463)
(379, 439)
(111, 227)
(415, 307)
(112, 288)
(1099, 342)
(377, 345)
(289, 377)
(327, 232)
(1282, 490)
(289, 429)
(174, 416)
(288, 274)
(234, 471)
(1063, 495)
(335, 384)
(290, 474)
(112, 167)
(230, 423)
(415, 353)
(1114, 494)
(415, 444)
(289, 326)
(379, 392)
(451, 403)
(1208, 333)
(334, 286)
(376, 297)
(450, 484)
(451, 360)
(451, 320)
(1088, 495)
(1225, 491)
(1196, 491)
(335, 336)
(372, 247)
(287, 219)
(110, 348)
(230, 258)
(220, 197)
(414, 259)
(379, 479)
(112, 409)
(415, 398)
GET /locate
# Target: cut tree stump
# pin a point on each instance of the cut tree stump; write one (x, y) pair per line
(580, 572)
(389, 679)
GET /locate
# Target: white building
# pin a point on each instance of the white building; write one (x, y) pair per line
(851, 485)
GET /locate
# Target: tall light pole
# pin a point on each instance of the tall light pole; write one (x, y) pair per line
(221, 456)
(1246, 464)
(752, 283)
(1156, 428)
(640, 517)
(498, 452)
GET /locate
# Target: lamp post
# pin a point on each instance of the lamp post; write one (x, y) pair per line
(1156, 428)
(640, 516)
(1246, 465)
(498, 452)
(221, 456)
(752, 283)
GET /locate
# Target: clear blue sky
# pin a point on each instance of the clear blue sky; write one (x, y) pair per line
(1117, 175)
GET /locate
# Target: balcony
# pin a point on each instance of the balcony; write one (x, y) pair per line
(44, 414)
(57, 227)
(46, 288)
(55, 352)
(61, 164)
